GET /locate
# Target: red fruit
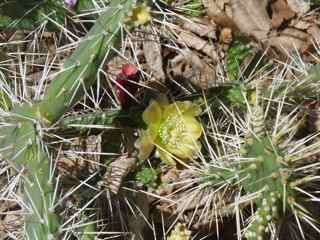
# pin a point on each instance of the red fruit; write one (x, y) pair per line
(129, 70)
(126, 83)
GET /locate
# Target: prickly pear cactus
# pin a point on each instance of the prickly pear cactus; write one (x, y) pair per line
(29, 14)
(23, 144)
(264, 174)
(267, 174)
(272, 176)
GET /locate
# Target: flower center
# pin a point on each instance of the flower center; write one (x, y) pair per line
(171, 130)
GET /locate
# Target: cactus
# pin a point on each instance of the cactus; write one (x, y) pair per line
(23, 145)
(268, 171)
(264, 172)
(28, 14)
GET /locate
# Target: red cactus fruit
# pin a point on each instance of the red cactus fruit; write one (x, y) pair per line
(126, 84)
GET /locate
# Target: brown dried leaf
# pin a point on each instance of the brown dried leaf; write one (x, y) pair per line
(168, 181)
(215, 11)
(280, 12)
(201, 27)
(116, 172)
(153, 55)
(299, 6)
(302, 24)
(198, 43)
(314, 31)
(291, 39)
(10, 224)
(212, 8)
(190, 67)
(251, 17)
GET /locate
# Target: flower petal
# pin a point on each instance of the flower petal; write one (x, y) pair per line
(166, 157)
(144, 145)
(186, 150)
(152, 114)
(193, 128)
(182, 108)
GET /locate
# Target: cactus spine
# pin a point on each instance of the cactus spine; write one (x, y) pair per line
(22, 142)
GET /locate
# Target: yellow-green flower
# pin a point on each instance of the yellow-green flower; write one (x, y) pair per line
(140, 14)
(180, 232)
(172, 128)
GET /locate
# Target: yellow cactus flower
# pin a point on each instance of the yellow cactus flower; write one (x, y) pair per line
(172, 128)
(140, 14)
(180, 232)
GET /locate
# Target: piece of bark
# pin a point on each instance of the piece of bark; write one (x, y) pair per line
(280, 13)
(299, 6)
(153, 55)
(251, 17)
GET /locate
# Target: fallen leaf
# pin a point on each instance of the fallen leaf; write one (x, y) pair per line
(280, 13)
(116, 172)
(153, 55)
(190, 67)
(251, 17)
(201, 27)
(212, 8)
(302, 24)
(299, 6)
(291, 39)
(202, 45)
(314, 31)
(220, 17)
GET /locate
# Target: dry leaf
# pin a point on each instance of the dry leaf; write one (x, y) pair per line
(299, 6)
(251, 17)
(302, 24)
(10, 224)
(153, 55)
(215, 11)
(212, 8)
(201, 27)
(280, 12)
(116, 172)
(314, 31)
(190, 67)
(198, 43)
(291, 39)
(169, 179)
